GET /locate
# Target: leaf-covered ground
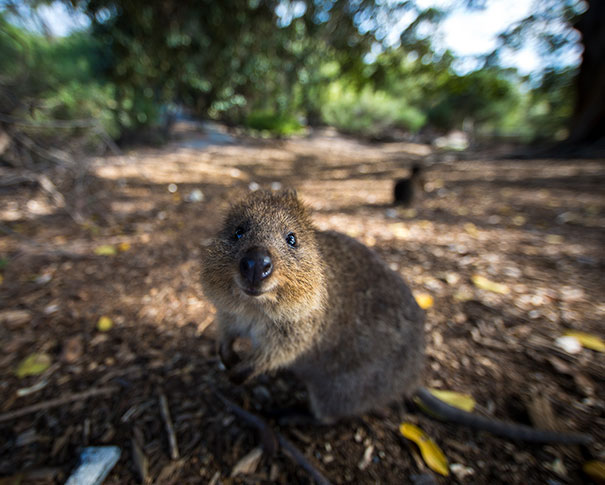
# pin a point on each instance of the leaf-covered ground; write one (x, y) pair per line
(536, 227)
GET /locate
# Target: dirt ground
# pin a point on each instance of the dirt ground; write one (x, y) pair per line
(535, 226)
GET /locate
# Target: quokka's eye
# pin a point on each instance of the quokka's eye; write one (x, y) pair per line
(291, 239)
(239, 232)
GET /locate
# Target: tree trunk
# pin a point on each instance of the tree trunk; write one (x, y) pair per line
(588, 122)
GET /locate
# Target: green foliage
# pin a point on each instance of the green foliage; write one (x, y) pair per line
(54, 79)
(267, 64)
(483, 97)
(369, 112)
(551, 104)
(281, 125)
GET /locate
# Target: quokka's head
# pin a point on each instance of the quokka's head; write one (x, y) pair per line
(265, 258)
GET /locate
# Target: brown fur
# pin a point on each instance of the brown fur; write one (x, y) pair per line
(332, 311)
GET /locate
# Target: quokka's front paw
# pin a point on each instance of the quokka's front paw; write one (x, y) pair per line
(240, 373)
(228, 357)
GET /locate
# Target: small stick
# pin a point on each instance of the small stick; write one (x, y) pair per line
(53, 403)
(174, 449)
(291, 450)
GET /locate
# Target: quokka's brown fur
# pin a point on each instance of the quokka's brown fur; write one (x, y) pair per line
(328, 308)
(331, 310)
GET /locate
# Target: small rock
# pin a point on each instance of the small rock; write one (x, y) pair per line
(461, 471)
(72, 349)
(571, 345)
(95, 464)
(196, 195)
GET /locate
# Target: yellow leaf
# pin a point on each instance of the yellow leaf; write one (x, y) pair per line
(105, 250)
(424, 300)
(1, 279)
(554, 239)
(33, 365)
(519, 220)
(470, 228)
(456, 399)
(587, 340)
(399, 230)
(595, 469)
(484, 284)
(124, 246)
(431, 453)
(104, 324)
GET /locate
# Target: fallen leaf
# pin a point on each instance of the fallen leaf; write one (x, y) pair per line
(104, 324)
(399, 230)
(424, 300)
(595, 469)
(587, 340)
(483, 283)
(456, 399)
(519, 220)
(554, 239)
(33, 365)
(463, 295)
(431, 453)
(124, 246)
(471, 229)
(248, 463)
(105, 250)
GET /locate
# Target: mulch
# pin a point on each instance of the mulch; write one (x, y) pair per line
(535, 226)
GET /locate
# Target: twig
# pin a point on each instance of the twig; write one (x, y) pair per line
(44, 249)
(53, 403)
(291, 450)
(174, 450)
(78, 123)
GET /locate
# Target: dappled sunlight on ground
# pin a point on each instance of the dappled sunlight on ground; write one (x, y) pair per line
(534, 229)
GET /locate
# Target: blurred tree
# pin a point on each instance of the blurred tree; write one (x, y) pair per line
(588, 121)
(555, 24)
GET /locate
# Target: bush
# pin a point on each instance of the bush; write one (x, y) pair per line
(276, 124)
(371, 113)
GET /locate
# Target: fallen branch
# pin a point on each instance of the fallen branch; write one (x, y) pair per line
(53, 403)
(174, 449)
(42, 248)
(269, 435)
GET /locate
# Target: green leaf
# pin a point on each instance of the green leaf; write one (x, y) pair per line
(33, 365)
(105, 250)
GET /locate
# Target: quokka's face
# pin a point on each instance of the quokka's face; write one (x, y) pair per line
(265, 252)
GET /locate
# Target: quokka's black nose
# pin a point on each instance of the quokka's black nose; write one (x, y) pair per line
(256, 265)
